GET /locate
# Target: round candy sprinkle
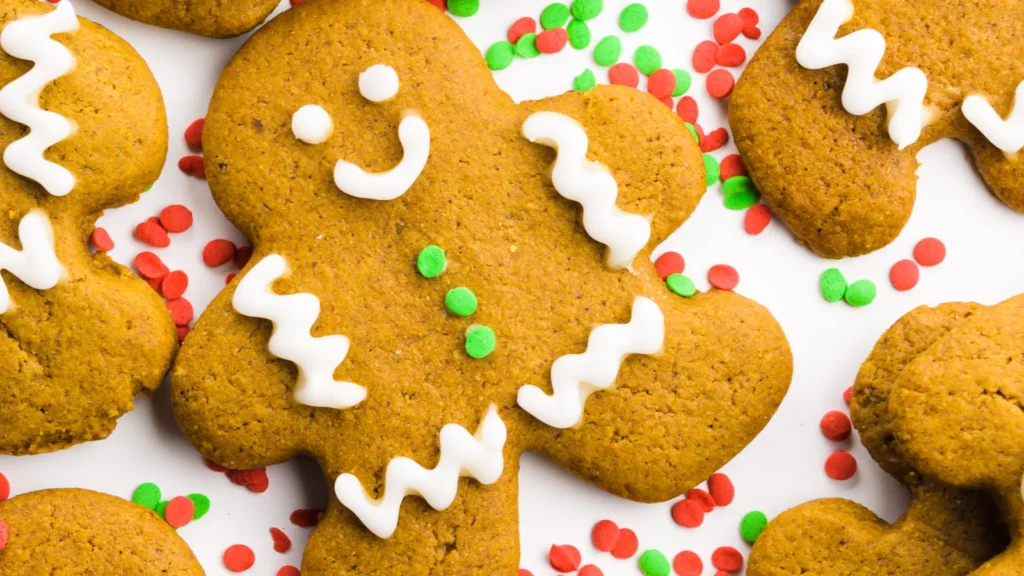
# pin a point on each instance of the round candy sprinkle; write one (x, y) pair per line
(585, 81)
(727, 28)
(5, 488)
(848, 394)
(552, 41)
(930, 252)
(218, 252)
(904, 275)
(521, 26)
(647, 59)
(688, 513)
(524, 572)
(192, 165)
(705, 56)
(752, 525)
(707, 503)
(836, 426)
(683, 82)
(624, 74)
(633, 17)
(841, 466)
(194, 133)
(693, 132)
(147, 495)
(861, 293)
(627, 544)
(742, 200)
(720, 83)
(727, 558)
(702, 9)
(564, 558)
(460, 301)
(654, 563)
(201, 502)
(579, 34)
(306, 518)
(608, 50)
(714, 140)
(282, 543)
(833, 285)
(526, 47)
(731, 55)
(242, 256)
(721, 489)
(179, 511)
(587, 9)
(710, 169)
(3, 534)
(480, 341)
(174, 285)
(431, 262)
(738, 185)
(661, 83)
(554, 16)
(757, 219)
(723, 277)
(687, 563)
(464, 8)
(152, 233)
(687, 109)
(161, 508)
(669, 263)
(732, 166)
(289, 571)
(590, 570)
(239, 558)
(605, 535)
(181, 311)
(681, 284)
(101, 239)
(176, 218)
(500, 55)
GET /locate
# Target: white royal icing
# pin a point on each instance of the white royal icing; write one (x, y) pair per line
(574, 377)
(293, 316)
(591, 184)
(1007, 135)
(28, 38)
(378, 83)
(476, 456)
(414, 135)
(36, 264)
(312, 124)
(862, 51)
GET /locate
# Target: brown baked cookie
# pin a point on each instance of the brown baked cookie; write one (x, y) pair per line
(840, 181)
(956, 410)
(679, 384)
(944, 532)
(75, 532)
(204, 17)
(80, 335)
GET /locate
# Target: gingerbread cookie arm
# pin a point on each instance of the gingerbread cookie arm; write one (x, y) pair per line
(1004, 175)
(203, 17)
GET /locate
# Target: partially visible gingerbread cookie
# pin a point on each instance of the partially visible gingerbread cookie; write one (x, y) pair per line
(944, 532)
(809, 114)
(75, 532)
(212, 18)
(82, 129)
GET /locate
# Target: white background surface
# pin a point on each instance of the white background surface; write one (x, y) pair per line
(782, 467)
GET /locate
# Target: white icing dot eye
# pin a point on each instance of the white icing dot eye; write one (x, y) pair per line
(312, 124)
(378, 83)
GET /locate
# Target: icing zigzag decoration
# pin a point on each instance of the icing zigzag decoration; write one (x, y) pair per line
(574, 377)
(590, 184)
(36, 264)
(293, 317)
(1007, 135)
(28, 38)
(477, 456)
(862, 51)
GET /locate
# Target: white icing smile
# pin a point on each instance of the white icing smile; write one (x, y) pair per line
(414, 135)
(36, 264)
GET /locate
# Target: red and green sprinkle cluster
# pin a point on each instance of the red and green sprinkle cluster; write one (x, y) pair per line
(178, 512)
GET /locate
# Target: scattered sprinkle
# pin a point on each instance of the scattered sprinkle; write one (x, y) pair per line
(861, 293)
(930, 252)
(480, 341)
(161, 508)
(605, 535)
(688, 513)
(174, 285)
(833, 285)
(182, 332)
(750, 20)
(201, 502)
(661, 83)
(757, 219)
(669, 263)
(242, 256)
(705, 56)
(654, 563)
(711, 169)
(500, 55)
(848, 394)
(306, 518)
(431, 262)
(524, 572)
(522, 26)
(239, 558)
(683, 82)
(526, 47)
(282, 543)
(681, 284)
(552, 41)
(727, 558)
(841, 466)
(707, 503)
(579, 34)
(218, 252)
(752, 525)
(181, 311)
(461, 301)
(194, 134)
(289, 571)
(585, 81)
(836, 426)
(179, 511)
(565, 558)
(153, 233)
(647, 59)
(702, 9)
(904, 275)
(3, 534)
(464, 8)
(693, 132)
(714, 140)
(193, 166)
(100, 238)
(687, 563)
(732, 166)
(720, 83)
(727, 28)
(590, 570)
(554, 16)
(633, 17)
(5, 488)
(721, 489)
(731, 55)
(587, 9)
(740, 193)
(624, 74)
(608, 50)
(149, 265)
(723, 277)
(256, 479)
(147, 495)
(627, 545)
(687, 109)
(176, 218)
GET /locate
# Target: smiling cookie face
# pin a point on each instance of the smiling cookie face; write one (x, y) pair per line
(543, 326)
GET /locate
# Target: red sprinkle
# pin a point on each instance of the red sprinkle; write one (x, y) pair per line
(714, 140)
(930, 252)
(751, 31)
(194, 134)
(590, 570)
(707, 503)
(688, 513)
(687, 563)
(306, 518)
(152, 232)
(3, 534)
(728, 27)
(841, 466)
(731, 55)
(723, 277)
(290, 570)
(441, 4)
(836, 426)
(522, 26)
(242, 256)
(229, 278)
(627, 544)
(720, 83)
(669, 263)
(702, 9)
(214, 466)
(218, 252)
(181, 311)
(904, 275)
(605, 535)
(193, 166)
(661, 83)
(256, 480)
(750, 20)
(174, 285)
(848, 394)
(757, 219)
(282, 543)
(624, 74)
(552, 41)
(176, 218)
(149, 265)
(183, 332)
(721, 489)
(704, 56)
(180, 511)
(155, 283)
(565, 558)
(687, 109)
(667, 101)
(101, 240)
(731, 166)
(239, 558)
(727, 558)
(5, 490)
(524, 572)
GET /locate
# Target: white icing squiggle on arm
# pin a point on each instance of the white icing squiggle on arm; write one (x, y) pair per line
(462, 454)
(293, 317)
(36, 264)
(591, 184)
(28, 38)
(414, 135)
(862, 51)
(574, 377)
(1007, 135)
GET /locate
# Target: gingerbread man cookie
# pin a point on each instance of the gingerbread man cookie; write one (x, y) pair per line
(82, 129)
(944, 532)
(833, 109)
(442, 280)
(204, 17)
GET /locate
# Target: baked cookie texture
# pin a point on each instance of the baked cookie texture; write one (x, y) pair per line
(485, 196)
(837, 180)
(79, 532)
(956, 410)
(204, 17)
(944, 532)
(72, 357)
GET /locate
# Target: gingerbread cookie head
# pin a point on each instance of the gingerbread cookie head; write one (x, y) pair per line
(204, 17)
(443, 279)
(70, 531)
(82, 128)
(951, 531)
(832, 110)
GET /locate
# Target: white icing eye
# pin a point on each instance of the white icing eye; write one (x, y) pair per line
(378, 83)
(312, 124)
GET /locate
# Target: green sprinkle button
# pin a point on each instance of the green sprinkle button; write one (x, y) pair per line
(654, 563)
(693, 132)
(500, 55)
(683, 82)
(647, 60)
(861, 293)
(833, 285)
(681, 284)
(608, 50)
(752, 525)
(587, 9)
(579, 34)
(147, 495)
(711, 169)
(480, 341)
(585, 81)
(201, 503)
(464, 8)
(526, 47)
(161, 509)
(460, 301)
(740, 193)
(633, 17)
(431, 261)
(554, 16)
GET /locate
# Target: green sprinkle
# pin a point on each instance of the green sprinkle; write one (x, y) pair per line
(464, 8)
(654, 563)
(460, 301)
(431, 261)
(201, 503)
(861, 293)
(554, 16)
(584, 82)
(480, 341)
(161, 509)
(633, 17)
(150, 187)
(579, 34)
(833, 285)
(683, 81)
(740, 193)
(147, 495)
(647, 60)
(681, 284)
(693, 132)
(741, 201)
(608, 50)
(752, 525)
(711, 169)
(526, 47)
(587, 9)
(500, 55)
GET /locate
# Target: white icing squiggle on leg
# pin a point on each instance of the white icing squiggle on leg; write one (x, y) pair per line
(574, 377)
(590, 184)
(414, 135)
(293, 316)
(1007, 135)
(477, 456)
(28, 38)
(36, 264)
